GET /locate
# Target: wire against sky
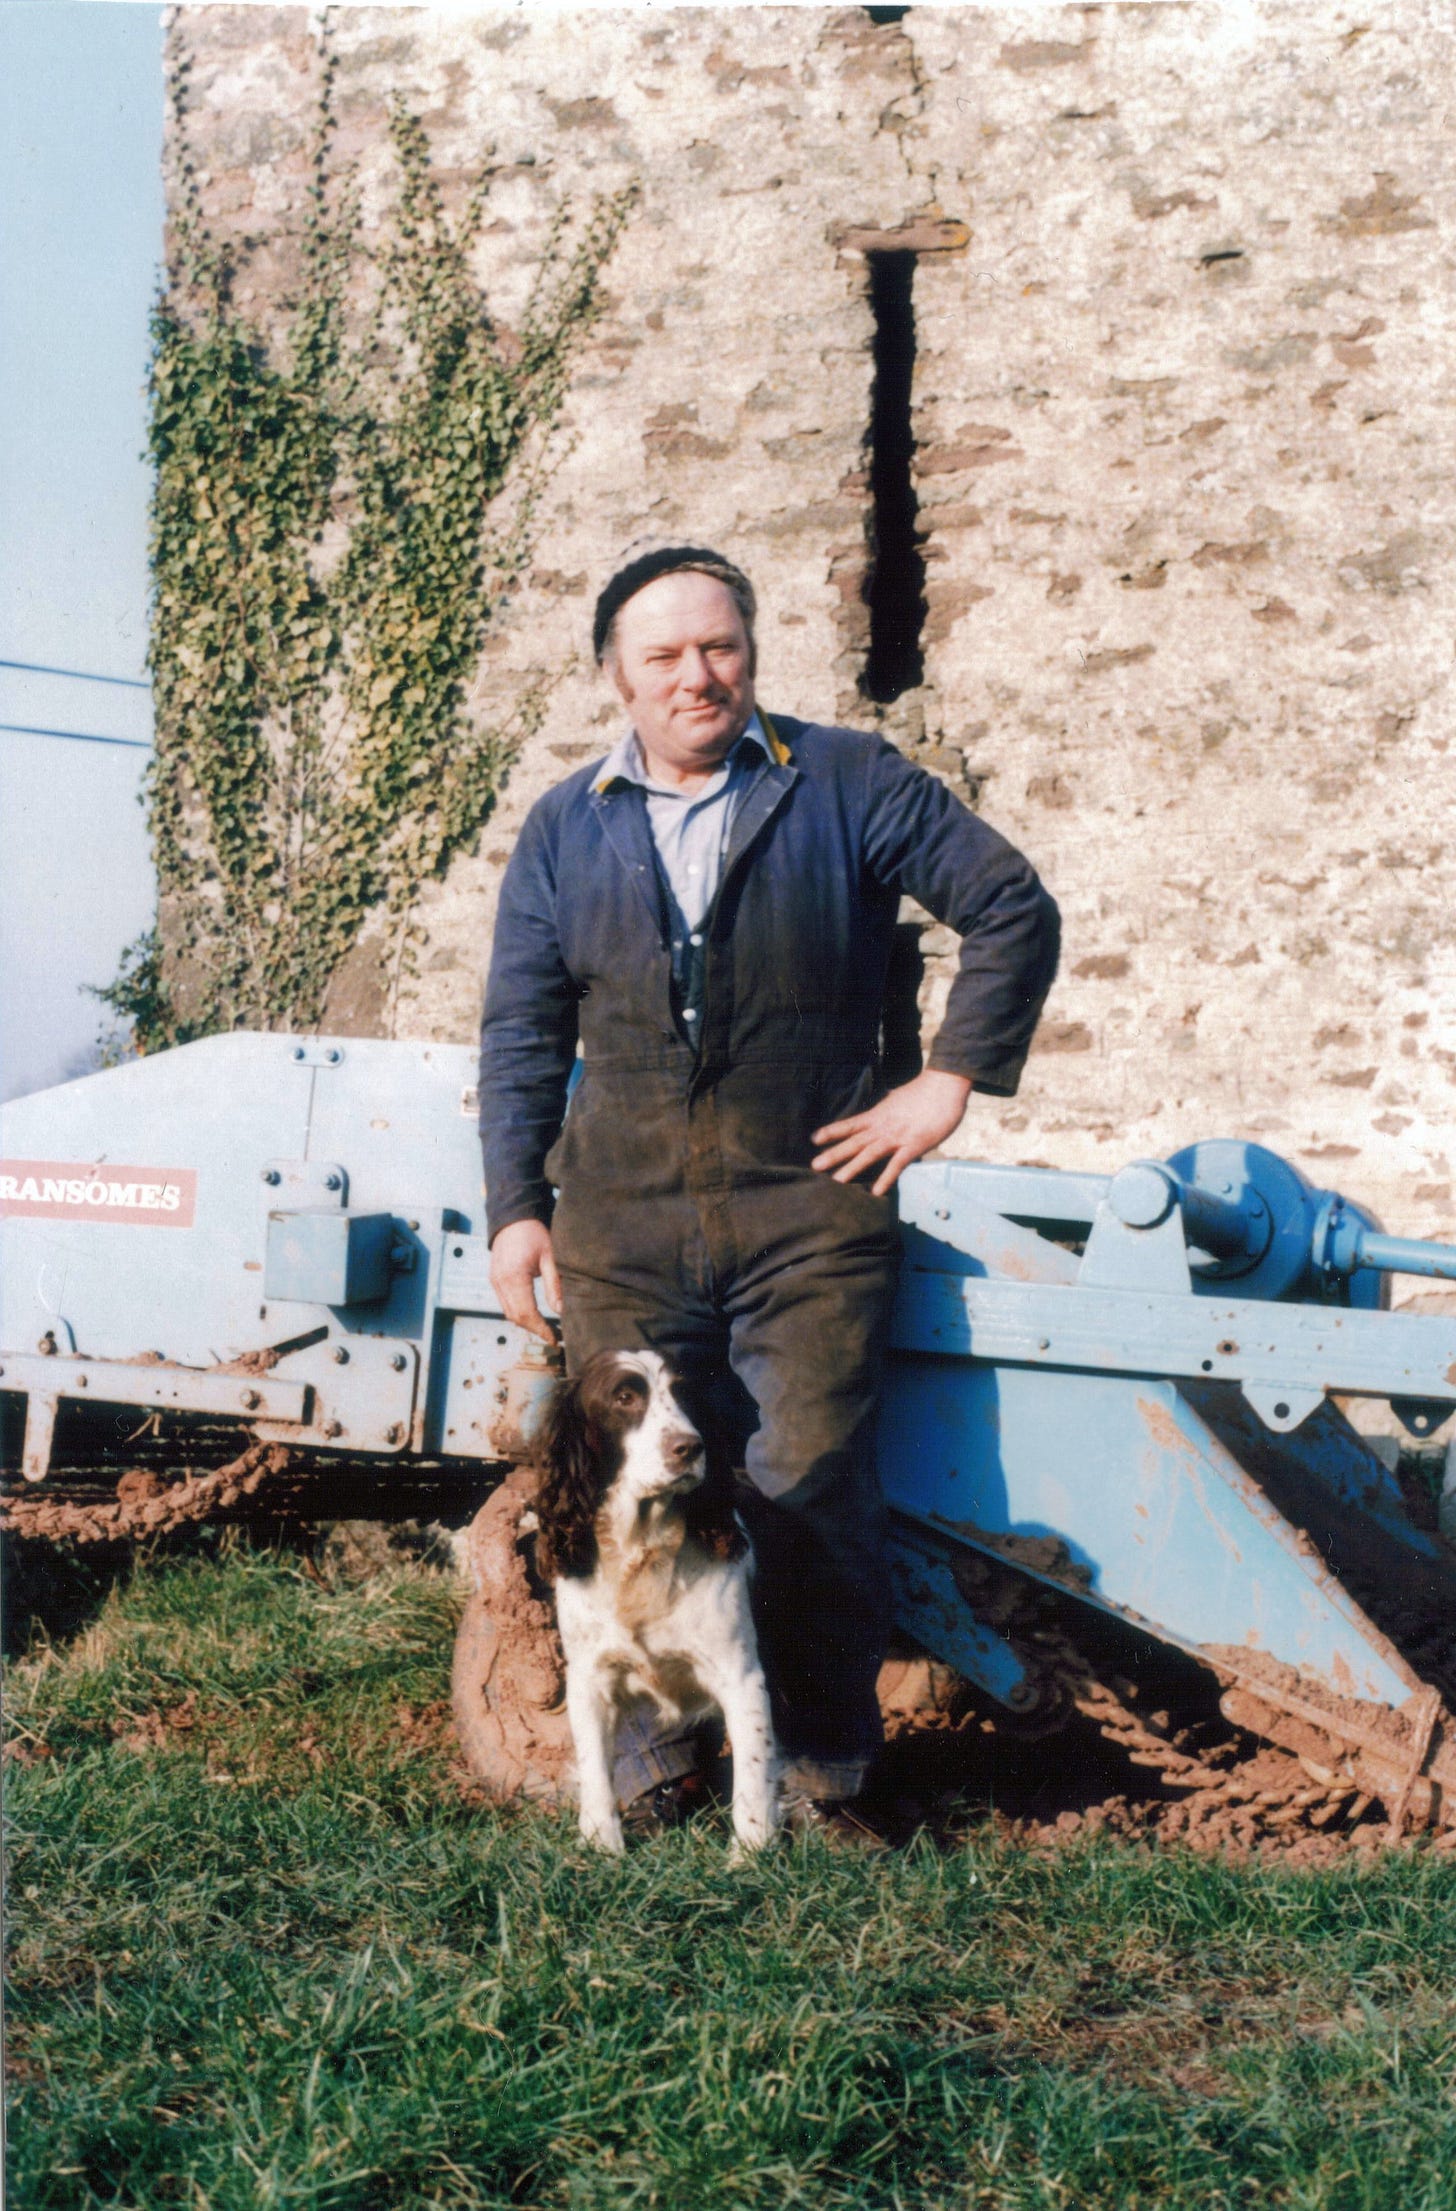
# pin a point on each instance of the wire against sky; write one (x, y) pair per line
(78, 675)
(77, 736)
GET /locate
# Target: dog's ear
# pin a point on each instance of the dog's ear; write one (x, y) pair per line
(710, 1513)
(568, 1453)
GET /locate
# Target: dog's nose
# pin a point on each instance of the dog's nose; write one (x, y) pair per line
(682, 1448)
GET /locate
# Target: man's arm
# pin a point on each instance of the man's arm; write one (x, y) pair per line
(527, 1046)
(923, 841)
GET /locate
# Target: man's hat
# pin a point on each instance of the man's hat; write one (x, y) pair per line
(644, 561)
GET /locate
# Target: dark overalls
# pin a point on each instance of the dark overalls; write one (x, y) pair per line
(689, 1217)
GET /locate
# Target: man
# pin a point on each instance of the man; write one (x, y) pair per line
(709, 913)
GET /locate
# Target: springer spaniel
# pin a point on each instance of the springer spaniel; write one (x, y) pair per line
(651, 1574)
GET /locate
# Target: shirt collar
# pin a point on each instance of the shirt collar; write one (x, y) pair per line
(625, 764)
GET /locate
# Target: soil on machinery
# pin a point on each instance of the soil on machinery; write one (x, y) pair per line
(1128, 1737)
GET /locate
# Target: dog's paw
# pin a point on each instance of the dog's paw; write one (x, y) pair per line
(753, 1832)
(604, 1834)
(744, 1849)
(757, 1817)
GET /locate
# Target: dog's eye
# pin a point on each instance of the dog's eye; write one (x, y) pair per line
(628, 1393)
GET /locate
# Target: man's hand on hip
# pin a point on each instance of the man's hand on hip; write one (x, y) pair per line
(519, 1256)
(906, 1124)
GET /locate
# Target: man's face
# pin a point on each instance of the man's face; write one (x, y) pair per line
(683, 664)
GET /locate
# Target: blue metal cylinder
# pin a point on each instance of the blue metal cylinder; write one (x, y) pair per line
(1349, 1245)
(1236, 1227)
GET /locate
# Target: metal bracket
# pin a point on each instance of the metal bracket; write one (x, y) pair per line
(1428, 1709)
(1280, 1406)
(363, 1391)
(465, 1285)
(1120, 1256)
(1121, 1331)
(40, 1427)
(930, 1603)
(1420, 1416)
(299, 1184)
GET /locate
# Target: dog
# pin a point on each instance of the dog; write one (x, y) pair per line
(651, 1572)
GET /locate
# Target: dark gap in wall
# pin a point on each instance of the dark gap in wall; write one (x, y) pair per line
(895, 587)
(887, 15)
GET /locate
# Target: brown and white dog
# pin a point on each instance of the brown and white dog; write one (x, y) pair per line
(651, 1572)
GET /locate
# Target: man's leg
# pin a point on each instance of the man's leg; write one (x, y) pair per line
(808, 1320)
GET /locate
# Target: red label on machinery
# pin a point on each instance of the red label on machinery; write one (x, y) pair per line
(64, 1190)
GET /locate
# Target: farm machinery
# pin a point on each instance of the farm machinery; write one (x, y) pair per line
(1114, 1417)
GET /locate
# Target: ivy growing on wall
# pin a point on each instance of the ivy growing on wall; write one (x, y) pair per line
(344, 489)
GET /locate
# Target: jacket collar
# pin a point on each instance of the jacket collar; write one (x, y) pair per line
(782, 756)
(625, 762)
(762, 800)
(620, 808)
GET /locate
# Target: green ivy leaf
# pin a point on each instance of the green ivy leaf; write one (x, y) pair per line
(310, 764)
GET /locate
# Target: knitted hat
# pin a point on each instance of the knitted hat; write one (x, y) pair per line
(644, 561)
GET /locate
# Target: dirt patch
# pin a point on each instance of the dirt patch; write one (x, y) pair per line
(253, 1362)
(25, 1751)
(1176, 2042)
(152, 1731)
(426, 1729)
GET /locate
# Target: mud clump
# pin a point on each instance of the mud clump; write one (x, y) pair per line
(144, 1504)
(508, 1683)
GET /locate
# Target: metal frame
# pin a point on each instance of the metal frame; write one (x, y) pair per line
(1116, 1420)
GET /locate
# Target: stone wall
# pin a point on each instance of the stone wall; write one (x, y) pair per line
(1183, 423)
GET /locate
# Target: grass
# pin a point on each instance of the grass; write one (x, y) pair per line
(264, 1951)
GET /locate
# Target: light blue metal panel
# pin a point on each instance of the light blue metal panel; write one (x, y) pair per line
(472, 1378)
(362, 1391)
(403, 1115)
(1042, 1194)
(1319, 1347)
(1155, 1519)
(490, 1389)
(216, 1110)
(947, 1226)
(465, 1284)
(1322, 1470)
(389, 1125)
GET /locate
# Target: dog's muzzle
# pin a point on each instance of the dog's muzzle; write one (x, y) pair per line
(683, 1460)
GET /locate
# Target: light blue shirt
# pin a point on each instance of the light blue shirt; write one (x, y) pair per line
(690, 828)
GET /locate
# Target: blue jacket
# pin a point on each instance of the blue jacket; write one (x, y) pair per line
(823, 845)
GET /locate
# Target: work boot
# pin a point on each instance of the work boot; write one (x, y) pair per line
(844, 1823)
(671, 1804)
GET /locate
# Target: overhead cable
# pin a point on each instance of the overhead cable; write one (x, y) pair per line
(78, 675)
